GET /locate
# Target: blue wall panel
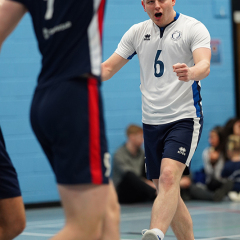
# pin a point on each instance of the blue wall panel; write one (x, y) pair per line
(20, 64)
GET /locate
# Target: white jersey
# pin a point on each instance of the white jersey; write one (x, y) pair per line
(165, 98)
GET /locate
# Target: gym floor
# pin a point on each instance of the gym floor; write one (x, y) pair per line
(212, 221)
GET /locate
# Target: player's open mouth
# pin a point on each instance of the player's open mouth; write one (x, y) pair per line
(158, 14)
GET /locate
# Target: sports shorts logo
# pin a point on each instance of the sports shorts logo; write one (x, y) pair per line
(182, 151)
(176, 35)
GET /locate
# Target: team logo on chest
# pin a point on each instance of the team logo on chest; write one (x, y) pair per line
(176, 35)
(147, 37)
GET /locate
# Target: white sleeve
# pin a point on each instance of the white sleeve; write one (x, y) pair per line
(200, 37)
(126, 46)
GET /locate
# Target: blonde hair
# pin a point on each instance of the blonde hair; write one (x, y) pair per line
(133, 129)
(233, 143)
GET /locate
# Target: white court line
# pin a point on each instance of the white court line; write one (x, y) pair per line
(45, 225)
(148, 215)
(134, 214)
(30, 223)
(37, 234)
(215, 238)
(50, 235)
(135, 218)
(124, 218)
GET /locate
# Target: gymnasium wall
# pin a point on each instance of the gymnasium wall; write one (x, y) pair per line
(20, 64)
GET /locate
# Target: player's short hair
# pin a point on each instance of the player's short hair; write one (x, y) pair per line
(133, 129)
(233, 143)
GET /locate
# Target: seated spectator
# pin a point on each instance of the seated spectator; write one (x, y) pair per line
(231, 168)
(213, 159)
(190, 190)
(208, 184)
(232, 126)
(128, 172)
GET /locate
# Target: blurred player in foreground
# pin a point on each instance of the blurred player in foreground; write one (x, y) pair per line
(12, 214)
(66, 111)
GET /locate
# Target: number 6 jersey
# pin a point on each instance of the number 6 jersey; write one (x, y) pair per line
(165, 98)
(69, 34)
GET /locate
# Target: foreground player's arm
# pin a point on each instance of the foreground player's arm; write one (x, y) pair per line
(112, 65)
(10, 14)
(199, 71)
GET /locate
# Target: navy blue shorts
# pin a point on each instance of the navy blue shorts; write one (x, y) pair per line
(67, 119)
(9, 185)
(176, 140)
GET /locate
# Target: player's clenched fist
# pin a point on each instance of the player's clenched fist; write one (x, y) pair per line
(183, 71)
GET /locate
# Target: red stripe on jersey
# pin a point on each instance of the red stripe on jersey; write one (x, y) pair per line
(101, 16)
(94, 130)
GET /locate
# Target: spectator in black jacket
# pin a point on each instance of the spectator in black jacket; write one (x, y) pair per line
(129, 170)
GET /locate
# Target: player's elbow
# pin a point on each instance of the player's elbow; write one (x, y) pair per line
(208, 71)
(207, 68)
(106, 72)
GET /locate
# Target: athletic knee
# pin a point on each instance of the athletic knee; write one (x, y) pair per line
(10, 231)
(113, 212)
(19, 225)
(113, 207)
(167, 178)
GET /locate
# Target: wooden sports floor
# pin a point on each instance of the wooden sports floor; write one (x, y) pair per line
(212, 221)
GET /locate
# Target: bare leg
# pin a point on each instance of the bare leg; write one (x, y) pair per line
(181, 224)
(12, 218)
(112, 217)
(165, 205)
(84, 207)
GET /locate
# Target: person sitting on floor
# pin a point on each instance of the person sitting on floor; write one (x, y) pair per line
(213, 159)
(128, 172)
(191, 190)
(231, 168)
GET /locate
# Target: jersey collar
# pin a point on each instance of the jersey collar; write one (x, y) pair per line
(163, 28)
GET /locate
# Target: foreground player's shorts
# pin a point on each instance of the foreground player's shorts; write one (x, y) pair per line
(67, 119)
(9, 186)
(176, 140)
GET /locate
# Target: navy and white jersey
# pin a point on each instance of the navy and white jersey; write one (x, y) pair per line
(69, 35)
(166, 99)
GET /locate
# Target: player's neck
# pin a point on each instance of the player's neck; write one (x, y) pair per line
(171, 20)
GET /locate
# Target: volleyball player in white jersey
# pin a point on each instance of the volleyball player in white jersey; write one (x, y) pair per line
(174, 55)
